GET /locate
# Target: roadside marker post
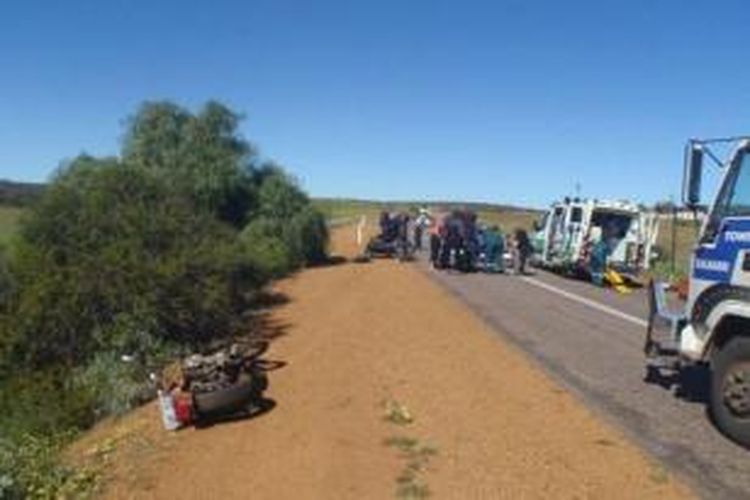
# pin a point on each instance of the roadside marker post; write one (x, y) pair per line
(360, 229)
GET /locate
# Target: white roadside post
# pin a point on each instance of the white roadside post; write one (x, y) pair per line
(360, 229)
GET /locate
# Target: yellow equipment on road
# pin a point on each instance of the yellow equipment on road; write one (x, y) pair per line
(616, 281)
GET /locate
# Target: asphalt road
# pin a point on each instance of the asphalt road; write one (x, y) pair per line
(590, 340)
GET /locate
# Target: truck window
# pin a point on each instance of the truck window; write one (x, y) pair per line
(614, 225)
(576, 215)
(739, 201)
(733, 199)
(558, 221)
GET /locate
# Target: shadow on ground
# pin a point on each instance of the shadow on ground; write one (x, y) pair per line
(691, 383)
(333, 260)
(259, 317)
(258, 409)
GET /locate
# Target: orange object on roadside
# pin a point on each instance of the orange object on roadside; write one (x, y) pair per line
(682, 287)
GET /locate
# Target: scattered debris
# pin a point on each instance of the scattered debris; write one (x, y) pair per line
(227, 381)
(397, 413)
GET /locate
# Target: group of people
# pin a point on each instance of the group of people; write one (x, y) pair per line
(458, 242)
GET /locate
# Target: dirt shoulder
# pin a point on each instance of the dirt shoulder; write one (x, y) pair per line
(364, 341)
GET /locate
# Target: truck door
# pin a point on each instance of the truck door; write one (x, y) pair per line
(557, 222)
(722, 255)
(541, 235)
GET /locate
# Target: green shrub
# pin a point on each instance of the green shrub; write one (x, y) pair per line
(286, 220)
(278, 246)
(43, 402)
(7, 283)
(36, 406)
(200, 154)
(264, 245)
(307, 236)
(114, 385)
(279, 196)
(108, 240)
(30, 468)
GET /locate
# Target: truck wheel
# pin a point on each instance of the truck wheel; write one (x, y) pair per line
(730, 390)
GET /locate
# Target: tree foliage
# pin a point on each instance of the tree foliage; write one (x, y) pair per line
(286, 215)
(201, 154)
(109, 241)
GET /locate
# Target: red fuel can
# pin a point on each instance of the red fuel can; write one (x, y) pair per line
(183, 409)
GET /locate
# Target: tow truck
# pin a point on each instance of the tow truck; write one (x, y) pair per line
(713, 328)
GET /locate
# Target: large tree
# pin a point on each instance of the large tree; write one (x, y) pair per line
(200, 153)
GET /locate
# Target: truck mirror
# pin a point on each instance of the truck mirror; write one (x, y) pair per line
(693, 173)
(537, 225)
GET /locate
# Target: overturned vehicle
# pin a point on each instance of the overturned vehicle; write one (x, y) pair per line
(589, 238)
(393, 240)
(204, 387)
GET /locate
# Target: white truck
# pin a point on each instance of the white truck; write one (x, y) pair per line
(566, 233)
(713, 328)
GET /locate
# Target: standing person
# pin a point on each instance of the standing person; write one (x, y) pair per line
(470, 241)
(451, 242)
(420, 223)
(385, 223)
(523, 250)
(598, 256)
(418, 229)
(402, 235)
(436, 227)
(510, 241)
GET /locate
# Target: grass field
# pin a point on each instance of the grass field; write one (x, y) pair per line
(508, 219)
(8, 222)
(685, 238)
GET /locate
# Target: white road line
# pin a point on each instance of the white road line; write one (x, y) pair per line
(587, 302)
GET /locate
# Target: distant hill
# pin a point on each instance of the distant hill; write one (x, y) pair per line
(19, 194)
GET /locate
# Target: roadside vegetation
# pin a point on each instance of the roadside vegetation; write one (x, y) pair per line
(685, 238)
(145, 256)
(415, 455)
(9, 216)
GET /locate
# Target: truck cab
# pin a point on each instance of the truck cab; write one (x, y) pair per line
(713, 329)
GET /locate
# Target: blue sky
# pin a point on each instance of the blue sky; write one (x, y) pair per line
(506, 101)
